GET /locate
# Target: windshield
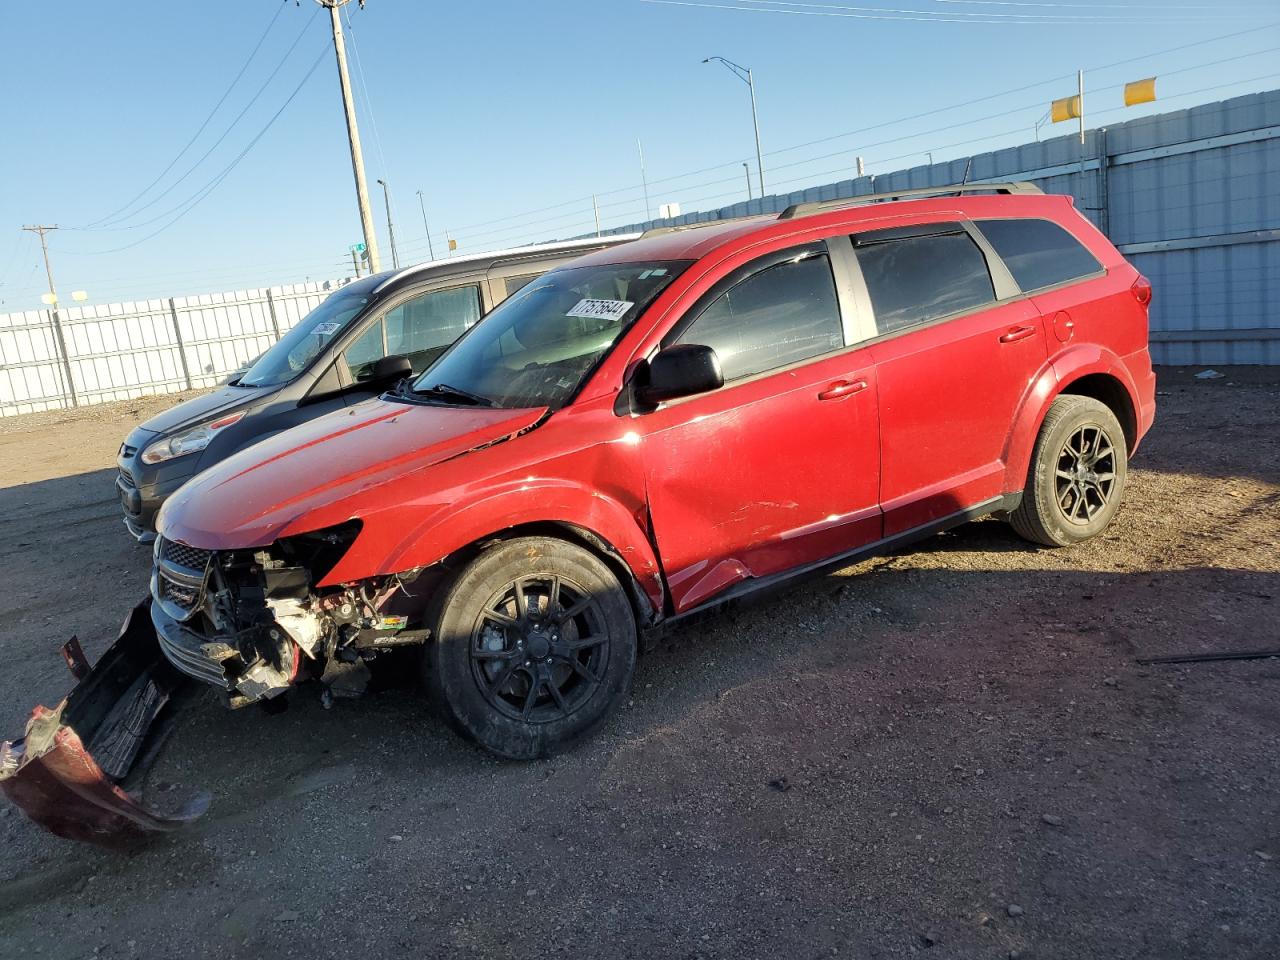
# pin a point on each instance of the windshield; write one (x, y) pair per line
(297, 348)
(536, 348)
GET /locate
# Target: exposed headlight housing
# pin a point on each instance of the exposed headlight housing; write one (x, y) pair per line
(189, 441)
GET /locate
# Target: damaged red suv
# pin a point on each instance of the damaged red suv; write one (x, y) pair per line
(660, 428)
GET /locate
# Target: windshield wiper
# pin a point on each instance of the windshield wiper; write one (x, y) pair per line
(443, 391)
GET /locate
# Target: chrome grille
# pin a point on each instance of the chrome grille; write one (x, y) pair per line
(127, 479)
(183, 556)
(178, 593)
(178, 581)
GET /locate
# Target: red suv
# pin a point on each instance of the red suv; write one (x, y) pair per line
(660, 428)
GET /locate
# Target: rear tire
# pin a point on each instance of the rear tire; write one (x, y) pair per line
(1077, 475)
(532, 646)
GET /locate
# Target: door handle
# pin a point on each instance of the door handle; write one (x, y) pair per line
(842, 388)
(1014, 334)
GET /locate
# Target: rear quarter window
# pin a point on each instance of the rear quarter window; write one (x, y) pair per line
(1039, 253)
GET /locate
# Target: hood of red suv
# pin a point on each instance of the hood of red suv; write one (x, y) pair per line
(266, 490)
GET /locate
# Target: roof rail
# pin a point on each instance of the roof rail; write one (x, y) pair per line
(917, 193)
(679, 227)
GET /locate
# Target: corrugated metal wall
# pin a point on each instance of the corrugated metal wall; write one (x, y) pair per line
(122, 350)
(1192, 198)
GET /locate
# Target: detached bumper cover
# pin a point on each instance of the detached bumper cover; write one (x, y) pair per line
(65, 772)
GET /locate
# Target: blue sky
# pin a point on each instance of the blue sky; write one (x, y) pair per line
(498, 109)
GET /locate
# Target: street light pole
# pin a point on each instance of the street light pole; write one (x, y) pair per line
(746, 169)
(423, 204)
(391, 230)
(353, 135)
(744, 74)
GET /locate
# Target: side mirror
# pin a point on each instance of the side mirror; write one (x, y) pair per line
(680, 371)
(391, 370)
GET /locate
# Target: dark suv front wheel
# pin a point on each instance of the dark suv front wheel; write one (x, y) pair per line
(1077, 474)
(532, 645)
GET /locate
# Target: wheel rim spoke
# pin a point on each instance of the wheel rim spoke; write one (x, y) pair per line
(583, 643)
(582, 671)
(535, 684)
(558, 697)
(553, 598)
(576, 610)
(504, 677)
(501, 619)
(494, 654)
(522, 602)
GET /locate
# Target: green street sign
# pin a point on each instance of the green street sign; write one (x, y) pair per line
(357, 248)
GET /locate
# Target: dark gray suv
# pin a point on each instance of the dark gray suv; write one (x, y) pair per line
(353, 346)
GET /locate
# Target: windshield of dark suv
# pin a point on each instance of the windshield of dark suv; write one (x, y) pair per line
(297, 348)
(536, 348)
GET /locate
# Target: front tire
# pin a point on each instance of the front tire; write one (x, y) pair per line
(1077, 475)
(533, 645)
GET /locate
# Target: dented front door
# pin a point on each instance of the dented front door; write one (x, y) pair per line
(764, 475)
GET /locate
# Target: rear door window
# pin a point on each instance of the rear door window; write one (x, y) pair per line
(780, 315)
(1039, 253)
(915, 279)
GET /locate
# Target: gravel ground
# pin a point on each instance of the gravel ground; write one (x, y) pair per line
(949, 752)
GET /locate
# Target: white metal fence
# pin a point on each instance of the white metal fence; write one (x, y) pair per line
(86, 355)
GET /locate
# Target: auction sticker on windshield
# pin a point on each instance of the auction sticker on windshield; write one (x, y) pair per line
(324, 329)
(600, 309)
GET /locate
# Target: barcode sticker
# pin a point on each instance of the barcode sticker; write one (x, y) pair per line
(600, 309)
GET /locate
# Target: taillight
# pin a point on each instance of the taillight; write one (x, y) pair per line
(1142, 290)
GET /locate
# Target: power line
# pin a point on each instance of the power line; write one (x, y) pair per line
(861, 130)
(107, 223)
(221, 100)
(919, 16)
(217, 180)
(1091, 18)
(473, 235)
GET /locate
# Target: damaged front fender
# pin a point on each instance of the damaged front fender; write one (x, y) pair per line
(66, 771)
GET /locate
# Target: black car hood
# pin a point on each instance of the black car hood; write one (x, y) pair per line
(199, 409)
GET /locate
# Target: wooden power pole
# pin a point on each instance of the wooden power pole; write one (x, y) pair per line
(353, 135)
(41, 230)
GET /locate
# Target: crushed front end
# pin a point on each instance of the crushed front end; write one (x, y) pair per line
(252, 622)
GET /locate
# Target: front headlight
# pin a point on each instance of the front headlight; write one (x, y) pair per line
(189, 441)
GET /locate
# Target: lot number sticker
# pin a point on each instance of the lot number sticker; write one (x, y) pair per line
(324, 329)
(600, 309)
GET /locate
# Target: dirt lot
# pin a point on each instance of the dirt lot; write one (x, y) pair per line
(947, 753)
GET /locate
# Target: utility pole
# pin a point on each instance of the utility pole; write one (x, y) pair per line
(355, 264)
(353, 135)
(391, 230)
(595, 208)
(41, 230)
(746, 169)
(422, 203)
(644, 180)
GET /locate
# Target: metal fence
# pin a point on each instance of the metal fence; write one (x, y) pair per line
(84, 355)
(1191, 197)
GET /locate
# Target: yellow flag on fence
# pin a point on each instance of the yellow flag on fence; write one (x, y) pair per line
(1140, 91)
(1068, 108)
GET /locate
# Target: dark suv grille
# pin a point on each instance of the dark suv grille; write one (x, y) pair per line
(190, 557)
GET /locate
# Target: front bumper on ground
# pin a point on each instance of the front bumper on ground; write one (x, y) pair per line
(66, 771)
